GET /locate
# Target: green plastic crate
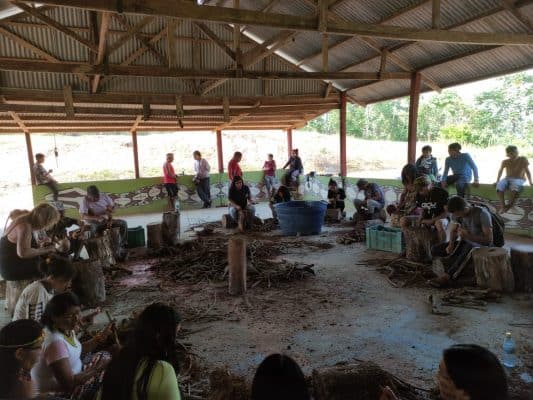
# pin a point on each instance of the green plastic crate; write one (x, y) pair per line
(384, 238)
(136, 237)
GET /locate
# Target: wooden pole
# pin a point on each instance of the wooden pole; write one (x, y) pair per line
(413, 116)
(289, 141)
(30, 156)
(342, 124)
(135, 154)
(219, 152)
(237, 266)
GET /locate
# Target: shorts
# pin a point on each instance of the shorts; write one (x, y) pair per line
(513, 184)
(172, 189)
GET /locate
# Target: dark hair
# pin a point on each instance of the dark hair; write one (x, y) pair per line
(270, 155)
(456, 203)
(153, 339)
(237, 154)
(197, 153)
(15, 335)
(39, 155)
(236, 178)
(408, 174)
(427, 147)
(279, 377)
(57, 306)
(454, 146)
(511, 149)
(477, 371)
(332, 182)
(93, 191)
(283, 194)
(361, 183)
(59, 267)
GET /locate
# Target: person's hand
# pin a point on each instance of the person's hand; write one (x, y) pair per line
(475, 184)
(387, 394)
(444, 184)
(104, 334)
(449, 248)
(463, 233)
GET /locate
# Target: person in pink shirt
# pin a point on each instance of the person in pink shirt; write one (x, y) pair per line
(269, 171)
(170, 180)
(233, 166)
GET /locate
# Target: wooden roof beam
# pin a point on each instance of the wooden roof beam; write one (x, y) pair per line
(19, 121)
(189, 10)
(102, 40)
(27, 45)
(54, 24)
(511, 5)
(215, 39)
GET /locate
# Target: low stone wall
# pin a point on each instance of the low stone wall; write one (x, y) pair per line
(147, 195)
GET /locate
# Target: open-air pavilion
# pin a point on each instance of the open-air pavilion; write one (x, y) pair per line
(139, 66)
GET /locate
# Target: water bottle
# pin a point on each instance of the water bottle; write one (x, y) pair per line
(509, 356)
(177, 205)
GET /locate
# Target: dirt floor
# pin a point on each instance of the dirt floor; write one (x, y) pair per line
(348, 311)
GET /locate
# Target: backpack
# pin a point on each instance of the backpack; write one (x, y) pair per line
(498, 223)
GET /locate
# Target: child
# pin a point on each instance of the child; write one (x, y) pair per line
(336, 196)
(517, 169)
(269, 170)
(427, 164)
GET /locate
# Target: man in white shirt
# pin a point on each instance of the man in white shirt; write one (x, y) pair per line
(201, 178)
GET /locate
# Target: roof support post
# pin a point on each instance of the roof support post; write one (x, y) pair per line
(135, 154)
(219, 152)
(289, 141)
(342, 125)
(413, 116)
(30, 156)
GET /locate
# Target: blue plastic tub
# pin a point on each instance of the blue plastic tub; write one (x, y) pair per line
(301, 217)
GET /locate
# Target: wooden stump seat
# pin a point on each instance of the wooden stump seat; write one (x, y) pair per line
(89, 282)
(154, 234)
(492, 266)
(522, 266)
(170, 228)
(418, 242)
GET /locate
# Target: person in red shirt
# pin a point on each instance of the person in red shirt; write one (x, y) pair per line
(170, 180)
(233, 166)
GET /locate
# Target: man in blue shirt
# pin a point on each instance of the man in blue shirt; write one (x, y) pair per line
(462, 167)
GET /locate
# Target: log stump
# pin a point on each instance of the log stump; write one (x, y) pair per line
(100, 248)
(170, 228)
(237, 266)
(89, 282)
(522, 266)
(361, 381)
(492, 266)
(228, 222)
(154, 233)
(333, 214)
(13, 292)
(417, 243)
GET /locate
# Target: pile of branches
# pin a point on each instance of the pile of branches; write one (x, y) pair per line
(205, 260)
(358, 235)
(476, 299)
(403, 273)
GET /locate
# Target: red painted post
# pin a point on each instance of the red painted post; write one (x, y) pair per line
(135, 154)
(30, 156)
(219, 152)
(289, 141)
(413, 117)
(342, 124)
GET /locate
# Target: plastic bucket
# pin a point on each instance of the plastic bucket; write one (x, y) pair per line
(301, 217)
(136, 237)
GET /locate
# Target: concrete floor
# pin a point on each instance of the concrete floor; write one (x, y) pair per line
(347, 311)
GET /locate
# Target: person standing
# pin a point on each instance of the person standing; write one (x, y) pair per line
(269, 171)
(462, 167)
(517, 169)
(201, 178)
(296, 168)
(234, 168)
(170, 180)
(44, 177)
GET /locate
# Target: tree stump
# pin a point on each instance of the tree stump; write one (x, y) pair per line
(170, 228)
(237, 266)
(13, 292)
(228, 222)
(114, 239)
(154, 233)
(417, 244)
(89, 282)
(492, 267)
(100, 248)
(361, 381)
(522, 265)
(333, 214)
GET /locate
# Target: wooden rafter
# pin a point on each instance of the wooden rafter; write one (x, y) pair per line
(69, 101)
(215, 39)
(435, 14)
(19, 121)
(511, 5)
(102, 40)
(28, 45)
(189, 10)
(132, 31)
(56, 25)
(135, 125)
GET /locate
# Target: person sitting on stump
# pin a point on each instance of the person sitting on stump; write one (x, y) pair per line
(43, 176)
(462, 167)
(282, 195)
(407, 204)
(96, 211)
(373, 202)
(517, 168)
(240, 199)
(432, 200)
(472, 227)
(296, 168)
(336, 196)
